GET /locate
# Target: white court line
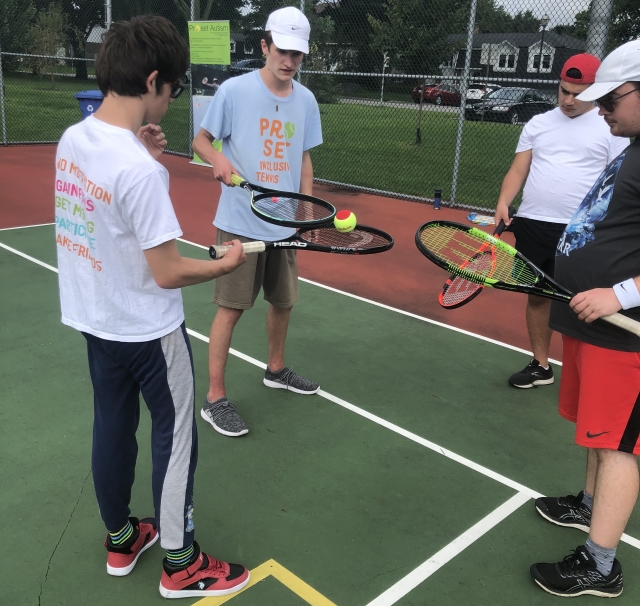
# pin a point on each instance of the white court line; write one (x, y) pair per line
(446, 554)
(485, 471)
(404, 313)
(32, 259)
(26, 226)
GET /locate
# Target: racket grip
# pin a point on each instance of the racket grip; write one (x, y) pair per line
(623, 322)
(217, 251)
(236, 179)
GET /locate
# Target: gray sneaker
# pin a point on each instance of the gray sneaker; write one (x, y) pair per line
(224, 417)
(287, 379)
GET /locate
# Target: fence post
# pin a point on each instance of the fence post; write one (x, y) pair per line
(107, 14)
(598, 33)
(2, 107)
(463, 100)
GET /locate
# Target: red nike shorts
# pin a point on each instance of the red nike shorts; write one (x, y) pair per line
(600, 393)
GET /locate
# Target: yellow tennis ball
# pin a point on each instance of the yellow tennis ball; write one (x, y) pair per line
(345, 221)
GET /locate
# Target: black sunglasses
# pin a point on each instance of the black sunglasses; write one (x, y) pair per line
(606, 102)
(176, 90)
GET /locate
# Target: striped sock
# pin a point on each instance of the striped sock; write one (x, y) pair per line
(179, 557)
(122, 536)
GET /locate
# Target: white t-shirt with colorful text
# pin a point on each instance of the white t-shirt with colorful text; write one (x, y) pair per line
(568, 156)
(112, 203)
(264, 137)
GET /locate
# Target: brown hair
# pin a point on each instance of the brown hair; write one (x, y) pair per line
(133, 49)
(268, 39)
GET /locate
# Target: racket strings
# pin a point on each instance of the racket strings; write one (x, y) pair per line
(330, 236)
(460, 289)
(286, 208)
(456, 247)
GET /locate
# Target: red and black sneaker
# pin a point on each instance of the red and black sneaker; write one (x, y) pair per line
(121, 559)
(203, 576)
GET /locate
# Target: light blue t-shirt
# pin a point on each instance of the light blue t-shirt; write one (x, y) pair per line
(264, 137)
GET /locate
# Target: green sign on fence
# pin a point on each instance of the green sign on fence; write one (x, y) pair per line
(210, 42)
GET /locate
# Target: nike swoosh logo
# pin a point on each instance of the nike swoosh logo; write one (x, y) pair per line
(595, 435)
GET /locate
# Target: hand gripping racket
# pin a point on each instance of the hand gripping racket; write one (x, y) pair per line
(288, 209)
(457, 291)
(363, 240)
(450, 245)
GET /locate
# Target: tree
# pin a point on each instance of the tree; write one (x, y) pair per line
(15, 19)
(81, 16)
(48, 37)
(625, 22)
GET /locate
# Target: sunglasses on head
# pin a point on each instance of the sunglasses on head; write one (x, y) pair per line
(607, 102)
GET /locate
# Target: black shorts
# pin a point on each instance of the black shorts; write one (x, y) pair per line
(538, 240)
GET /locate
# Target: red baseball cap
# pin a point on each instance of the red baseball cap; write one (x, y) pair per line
(586, 64)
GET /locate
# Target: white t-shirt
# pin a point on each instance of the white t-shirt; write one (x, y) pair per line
(569, 154)
(112, 203)
(264, 137)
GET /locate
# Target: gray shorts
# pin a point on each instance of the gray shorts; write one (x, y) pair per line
(275, 271)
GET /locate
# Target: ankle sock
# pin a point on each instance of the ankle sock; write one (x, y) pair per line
(122, 536)
(602, 555)
(180, 557)
(587, 500)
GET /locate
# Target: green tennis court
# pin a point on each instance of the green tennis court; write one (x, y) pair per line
(409, 480)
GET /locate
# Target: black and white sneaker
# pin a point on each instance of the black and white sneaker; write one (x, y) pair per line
(224, 418)
(531, 375)
(578, 575)
(567, 511)
(287, 379)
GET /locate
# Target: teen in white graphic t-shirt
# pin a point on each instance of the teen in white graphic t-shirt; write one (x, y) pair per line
(120, 275)
(560, 154)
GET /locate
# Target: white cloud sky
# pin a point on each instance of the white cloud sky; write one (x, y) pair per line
(560, 11)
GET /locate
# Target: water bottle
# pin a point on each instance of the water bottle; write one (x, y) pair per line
(437, 199)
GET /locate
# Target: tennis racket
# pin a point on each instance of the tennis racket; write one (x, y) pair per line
(287, 209)
(458, 291)
(449, 245)
(362, 240)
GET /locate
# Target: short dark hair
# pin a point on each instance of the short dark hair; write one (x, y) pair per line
(133, 49)
(268, 38)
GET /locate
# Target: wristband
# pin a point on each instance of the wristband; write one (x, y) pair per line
(627, 294)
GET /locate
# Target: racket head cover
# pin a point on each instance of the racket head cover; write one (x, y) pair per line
(290, 209)
(362, 240)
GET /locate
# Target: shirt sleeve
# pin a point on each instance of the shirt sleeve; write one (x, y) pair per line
(217, 120)
(525, 142)
(148, 211)
(313, 133)
(616, 146)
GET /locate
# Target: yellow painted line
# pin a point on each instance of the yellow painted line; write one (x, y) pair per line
(271, 568)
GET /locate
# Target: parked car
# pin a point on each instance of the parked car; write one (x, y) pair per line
(440, 94)
(244, 65)
(515, 105)
(477, 91)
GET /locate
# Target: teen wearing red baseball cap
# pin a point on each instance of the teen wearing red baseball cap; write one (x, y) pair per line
(560, 155)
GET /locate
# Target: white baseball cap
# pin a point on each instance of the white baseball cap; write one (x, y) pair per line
(289, 29)
(620, 65)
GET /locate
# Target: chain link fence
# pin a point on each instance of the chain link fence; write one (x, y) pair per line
(415, 95)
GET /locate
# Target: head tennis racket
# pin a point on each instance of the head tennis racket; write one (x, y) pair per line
(287, 209)
(457, 291)
(450, 245)
(363, 240)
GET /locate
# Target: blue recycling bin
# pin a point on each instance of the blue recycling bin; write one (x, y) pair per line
(90, 101)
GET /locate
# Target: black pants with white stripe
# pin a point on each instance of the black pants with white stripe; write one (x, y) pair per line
(162, 370)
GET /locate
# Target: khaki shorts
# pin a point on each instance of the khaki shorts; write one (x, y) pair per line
(275, 271)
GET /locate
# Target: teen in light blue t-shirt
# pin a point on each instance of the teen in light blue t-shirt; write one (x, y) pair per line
(267, 123)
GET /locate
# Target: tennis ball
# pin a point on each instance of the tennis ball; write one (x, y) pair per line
(345, 221)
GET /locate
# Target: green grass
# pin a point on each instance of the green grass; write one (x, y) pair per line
(37, 112)
(369, 146)
(376, 147)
